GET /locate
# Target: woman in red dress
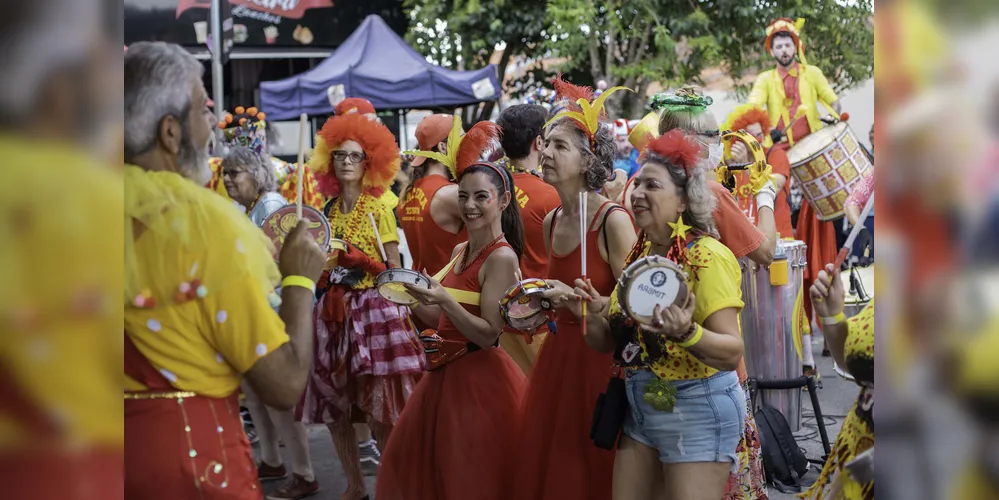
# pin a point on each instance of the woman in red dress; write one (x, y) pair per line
(453, 437)
(555, 458)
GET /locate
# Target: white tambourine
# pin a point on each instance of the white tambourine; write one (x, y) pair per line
(390, 284)
(648, 282)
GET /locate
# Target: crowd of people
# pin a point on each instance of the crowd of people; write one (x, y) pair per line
(442, 395)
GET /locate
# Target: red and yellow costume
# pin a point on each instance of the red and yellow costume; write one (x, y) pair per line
(796, 93)
(198, 295)
(251, 132)
(455, 436)
(367, 355)
(429, 244)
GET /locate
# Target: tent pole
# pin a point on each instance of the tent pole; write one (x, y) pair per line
(404, 134)
(217, 83)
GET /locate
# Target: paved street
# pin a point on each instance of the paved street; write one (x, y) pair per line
(836, 397)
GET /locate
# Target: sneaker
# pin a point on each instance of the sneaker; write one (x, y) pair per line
(297, 487)
(271, 473)
(370, 458)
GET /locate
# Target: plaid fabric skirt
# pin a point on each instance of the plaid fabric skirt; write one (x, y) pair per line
(366, 366)
(749, 482)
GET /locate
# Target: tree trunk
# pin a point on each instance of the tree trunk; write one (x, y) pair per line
(486, 110)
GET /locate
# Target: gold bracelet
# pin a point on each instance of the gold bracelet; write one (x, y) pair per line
(301, 281)
(695, 338)
(832, 320)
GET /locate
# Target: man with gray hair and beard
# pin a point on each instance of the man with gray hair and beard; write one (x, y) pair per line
(198, 296)
(60, 263)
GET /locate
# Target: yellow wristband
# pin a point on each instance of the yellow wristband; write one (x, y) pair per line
(695, 338)
(301, 281)
(832, 320)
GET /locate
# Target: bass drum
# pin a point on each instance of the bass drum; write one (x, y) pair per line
(773, 307)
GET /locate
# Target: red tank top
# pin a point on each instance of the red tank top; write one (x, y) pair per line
(467, 280)
(536, 199)
(567, 268)
(430, 245)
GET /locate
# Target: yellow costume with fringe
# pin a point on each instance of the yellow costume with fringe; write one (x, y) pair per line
(857, 433)
(199, 284)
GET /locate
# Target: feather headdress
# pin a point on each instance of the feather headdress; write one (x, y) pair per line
(583, 109)
(382, 154)
(677, 149)
(464, 150)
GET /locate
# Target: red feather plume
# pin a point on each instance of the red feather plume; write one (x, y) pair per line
(677, 149)
(571, 92)
(475, 143)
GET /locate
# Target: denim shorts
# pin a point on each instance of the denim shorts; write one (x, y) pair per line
(705, 425)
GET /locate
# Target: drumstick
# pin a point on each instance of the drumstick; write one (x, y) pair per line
(582, 247)
(848, 246)
(378, 237)
(303, 123)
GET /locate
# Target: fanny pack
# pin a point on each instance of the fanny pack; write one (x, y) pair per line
(440, 351)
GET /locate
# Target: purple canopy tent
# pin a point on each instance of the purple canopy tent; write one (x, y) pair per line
(378, 65)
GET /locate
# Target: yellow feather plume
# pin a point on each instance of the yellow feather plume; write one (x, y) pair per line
(589, 117)
(450, 159)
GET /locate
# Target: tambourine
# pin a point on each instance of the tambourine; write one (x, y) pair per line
(648, 282)
(278, 224)
(390, 284)
(523, 307)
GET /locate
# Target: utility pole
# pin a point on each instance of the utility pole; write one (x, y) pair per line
(217, 82)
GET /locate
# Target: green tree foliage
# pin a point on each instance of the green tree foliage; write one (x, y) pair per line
(637, 42)
(460, 34)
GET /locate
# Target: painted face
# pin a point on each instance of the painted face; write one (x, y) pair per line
(481, 204)
(783, 50)
(655, 200)
(348, 162)
(561, 159)
(240, 184)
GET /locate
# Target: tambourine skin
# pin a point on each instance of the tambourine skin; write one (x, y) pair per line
(390, 285)
(523, 307)
(650, 281)
(278, 224)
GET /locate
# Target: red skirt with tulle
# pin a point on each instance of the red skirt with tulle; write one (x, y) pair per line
(555, 458)
(820, 237)
(454, 437)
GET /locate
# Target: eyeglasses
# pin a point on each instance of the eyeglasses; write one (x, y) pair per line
(233, 173)
(353, 156)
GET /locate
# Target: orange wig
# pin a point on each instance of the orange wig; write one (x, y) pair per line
(382, 152)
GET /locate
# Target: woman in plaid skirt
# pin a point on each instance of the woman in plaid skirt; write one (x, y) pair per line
(367, 357)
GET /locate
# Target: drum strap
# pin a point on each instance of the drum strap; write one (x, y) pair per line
(462, 296)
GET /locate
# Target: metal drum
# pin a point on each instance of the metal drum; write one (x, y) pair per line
(827, 164)
(768, 320)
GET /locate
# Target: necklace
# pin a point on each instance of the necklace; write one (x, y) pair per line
(468, 261)
(255, 200)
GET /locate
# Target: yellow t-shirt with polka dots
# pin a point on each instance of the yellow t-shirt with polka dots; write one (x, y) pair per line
(355, 227)
(211, 276)
(716, 285)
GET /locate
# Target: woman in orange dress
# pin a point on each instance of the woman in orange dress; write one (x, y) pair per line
(555, 458)
(452, 440)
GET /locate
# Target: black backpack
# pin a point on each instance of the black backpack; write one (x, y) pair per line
(783, 460)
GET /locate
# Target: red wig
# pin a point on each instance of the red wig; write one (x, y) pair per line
(751, 116)
(378, 143)
(675, 148)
